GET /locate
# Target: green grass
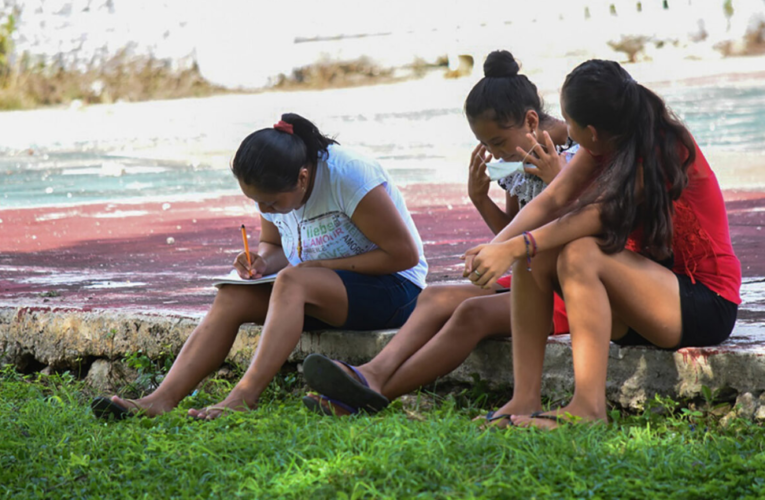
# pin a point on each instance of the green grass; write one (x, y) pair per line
(52, 447)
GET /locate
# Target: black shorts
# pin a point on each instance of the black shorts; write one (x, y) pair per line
(374, 302)
(708, 319)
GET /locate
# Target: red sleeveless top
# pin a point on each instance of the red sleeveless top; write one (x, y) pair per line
(701, 243)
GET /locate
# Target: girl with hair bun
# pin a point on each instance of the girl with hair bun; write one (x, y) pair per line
(348, 255)
(639, 180)
(506, 115)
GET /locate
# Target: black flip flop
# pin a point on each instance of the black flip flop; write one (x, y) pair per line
(493, 417)
(325, 377)
(106, 408)
(555, 418)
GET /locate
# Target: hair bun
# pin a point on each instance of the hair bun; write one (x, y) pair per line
(500, 64)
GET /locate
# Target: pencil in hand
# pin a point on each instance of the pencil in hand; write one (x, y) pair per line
(247, 250)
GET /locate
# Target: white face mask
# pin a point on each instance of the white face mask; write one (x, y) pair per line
(500, 169)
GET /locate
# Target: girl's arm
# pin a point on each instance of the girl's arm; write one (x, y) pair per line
(377, 217)
(492, 215)
(270, 247)
(512, 207)
(478, 190)
(494, 259)
(270, 257)
(562, 190)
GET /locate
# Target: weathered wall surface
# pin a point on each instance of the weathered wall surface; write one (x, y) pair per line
(67, 338)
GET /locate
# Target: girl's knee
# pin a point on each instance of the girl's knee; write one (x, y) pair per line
(439, 298)
(579, 257)
(432, 295)
(289, 278)
(472, 315)
(307, 285)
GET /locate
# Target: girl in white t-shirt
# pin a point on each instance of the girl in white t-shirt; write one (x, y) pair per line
(347, 253)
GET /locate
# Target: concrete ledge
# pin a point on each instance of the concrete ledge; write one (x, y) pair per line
(69, 338)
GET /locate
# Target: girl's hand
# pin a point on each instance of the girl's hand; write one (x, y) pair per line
(547, 164)
(478, 180)
(246, 271)
(485, 264)
(468, 258)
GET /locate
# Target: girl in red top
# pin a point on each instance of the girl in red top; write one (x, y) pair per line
(639, 180)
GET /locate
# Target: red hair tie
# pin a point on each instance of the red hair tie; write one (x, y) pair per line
(284, 127)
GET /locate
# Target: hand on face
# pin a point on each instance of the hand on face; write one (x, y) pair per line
(478, 180)
(547, 163)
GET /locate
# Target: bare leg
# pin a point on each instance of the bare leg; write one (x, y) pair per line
(317, 291)
(532, 294)
(435, 307)
(604, 295)
(206, 347)
(474, 320)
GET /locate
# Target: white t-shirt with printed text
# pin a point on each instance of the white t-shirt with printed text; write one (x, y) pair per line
(322, 228)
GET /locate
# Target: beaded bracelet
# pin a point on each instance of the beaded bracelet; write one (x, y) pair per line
(526, 240)
(533, 244)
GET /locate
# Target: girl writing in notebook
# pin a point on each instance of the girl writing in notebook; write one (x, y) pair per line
(346, 250)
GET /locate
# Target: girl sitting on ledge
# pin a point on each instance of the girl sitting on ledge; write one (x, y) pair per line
(364, 274)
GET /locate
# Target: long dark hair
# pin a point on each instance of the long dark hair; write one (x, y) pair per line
(271, 159)
(643, 129)
(502, 94)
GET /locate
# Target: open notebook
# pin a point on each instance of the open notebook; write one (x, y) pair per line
(233, 278)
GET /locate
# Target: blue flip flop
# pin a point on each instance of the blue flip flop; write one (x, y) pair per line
(328, 379)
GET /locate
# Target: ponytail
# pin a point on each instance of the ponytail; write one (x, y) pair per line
(270, 159)
(643, 130)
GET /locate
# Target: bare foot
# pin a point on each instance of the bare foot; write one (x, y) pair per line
(338, 411)
(148, 406)
(553, 419)
(233, 402)
(501, 418)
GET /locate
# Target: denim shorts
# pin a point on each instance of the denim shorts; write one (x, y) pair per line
(374, 302)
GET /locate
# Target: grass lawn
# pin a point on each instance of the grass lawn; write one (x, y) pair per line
(52, 447)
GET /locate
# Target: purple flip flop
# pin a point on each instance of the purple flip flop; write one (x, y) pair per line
(316, 406)
(328, 379)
